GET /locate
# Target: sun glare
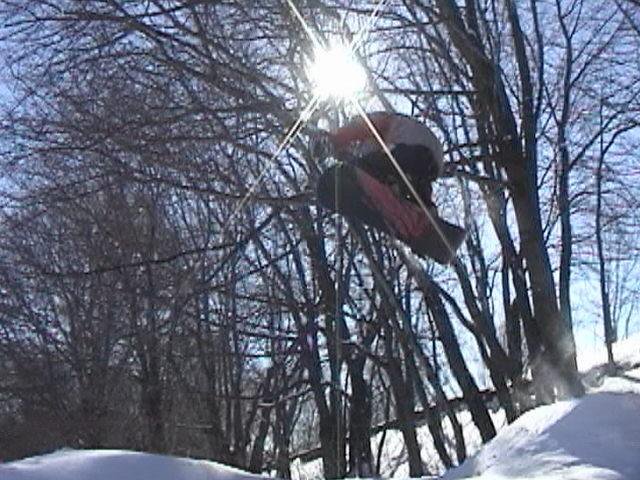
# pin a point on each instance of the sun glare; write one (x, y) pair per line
(336, 73)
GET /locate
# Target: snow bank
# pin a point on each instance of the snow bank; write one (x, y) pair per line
(596, 437)
(117, 465)
(593, 438)
(625, 351)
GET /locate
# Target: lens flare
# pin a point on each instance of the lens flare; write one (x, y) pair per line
(336, 73)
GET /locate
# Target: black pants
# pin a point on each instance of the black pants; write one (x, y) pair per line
(416, 161)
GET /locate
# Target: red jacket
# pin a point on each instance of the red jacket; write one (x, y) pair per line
(394, 129)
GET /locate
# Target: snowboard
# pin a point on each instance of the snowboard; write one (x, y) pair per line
(353, 193)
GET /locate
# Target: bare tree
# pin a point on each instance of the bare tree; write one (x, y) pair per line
(164, 256)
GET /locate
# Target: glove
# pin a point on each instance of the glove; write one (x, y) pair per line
(320, 145)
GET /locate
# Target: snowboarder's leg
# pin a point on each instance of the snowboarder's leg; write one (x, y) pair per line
(340, 191)
(356, 194)
(417, 163)
(359, 196)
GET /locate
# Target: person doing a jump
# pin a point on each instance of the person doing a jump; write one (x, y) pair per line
(368, 186)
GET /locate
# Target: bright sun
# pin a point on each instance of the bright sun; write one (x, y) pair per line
(336, 73)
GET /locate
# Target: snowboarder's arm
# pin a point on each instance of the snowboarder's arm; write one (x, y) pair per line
(359, 130)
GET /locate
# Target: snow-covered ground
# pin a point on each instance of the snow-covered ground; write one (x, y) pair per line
(117, 465)
(593, 438)
(626, 352)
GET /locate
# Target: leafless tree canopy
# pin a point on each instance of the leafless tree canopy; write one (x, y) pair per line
(169, 283)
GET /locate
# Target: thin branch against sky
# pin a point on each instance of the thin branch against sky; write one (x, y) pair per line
(311, 107)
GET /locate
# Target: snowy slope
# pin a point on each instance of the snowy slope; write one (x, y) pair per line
(117, 465)
(593, 438)
(625, 351)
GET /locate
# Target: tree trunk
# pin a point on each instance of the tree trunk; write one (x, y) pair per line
(470, 391)
(256, 458)
(451, 346)
(331, 432)
(360, 455)
(152, 393)
(501, 367)
(512, 320)
(609, 332)
(403, 398)
(434, 422)
(557, 335)
(152, 407)
(521, 172)
(443, 405)
(282, 439)
(564, 202)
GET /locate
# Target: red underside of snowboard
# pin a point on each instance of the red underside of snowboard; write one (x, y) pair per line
(358, 196)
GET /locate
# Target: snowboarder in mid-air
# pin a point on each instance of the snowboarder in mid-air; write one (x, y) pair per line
(367, 186)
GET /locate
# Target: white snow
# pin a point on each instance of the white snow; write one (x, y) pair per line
(117, 465)
(625, 352)
(596, 437)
